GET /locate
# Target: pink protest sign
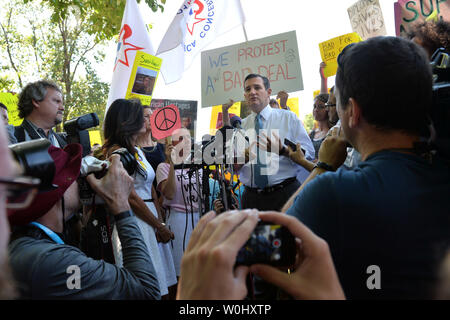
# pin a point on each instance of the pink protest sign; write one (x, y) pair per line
(410, 12)
(165, 121)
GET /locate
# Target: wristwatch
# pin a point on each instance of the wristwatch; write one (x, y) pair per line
(324, 166)
(123, 215)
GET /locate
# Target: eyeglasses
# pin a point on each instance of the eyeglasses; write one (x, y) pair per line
(20, 191)
(329, 105)
(319, 106)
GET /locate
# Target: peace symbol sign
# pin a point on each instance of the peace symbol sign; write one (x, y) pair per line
(166, 119)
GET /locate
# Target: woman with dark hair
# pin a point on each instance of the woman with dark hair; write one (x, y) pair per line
(431, 35)
(124, 122)
(320, 114)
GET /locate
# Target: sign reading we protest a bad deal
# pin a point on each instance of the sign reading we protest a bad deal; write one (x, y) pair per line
(224, 69)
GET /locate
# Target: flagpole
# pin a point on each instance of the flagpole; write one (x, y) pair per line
(245, 33)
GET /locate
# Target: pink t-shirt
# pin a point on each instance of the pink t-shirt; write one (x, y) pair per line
(183, 192)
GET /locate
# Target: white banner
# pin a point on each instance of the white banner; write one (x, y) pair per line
(224, 69)
(133, 37)
(197, 23)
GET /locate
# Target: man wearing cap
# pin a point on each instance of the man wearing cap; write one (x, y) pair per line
(46, 268)
(41, 106)
(271, 181)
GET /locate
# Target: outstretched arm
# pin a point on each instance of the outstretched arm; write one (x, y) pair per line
(323, 79)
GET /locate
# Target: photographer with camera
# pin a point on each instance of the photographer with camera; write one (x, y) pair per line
(41, 106)
(215, 242)
(44, 267)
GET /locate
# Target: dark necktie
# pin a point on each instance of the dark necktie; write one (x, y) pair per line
(261, 180)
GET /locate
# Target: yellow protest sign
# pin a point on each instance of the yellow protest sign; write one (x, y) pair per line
(293, 105)
(433, 17)
(216, 116)
(95, 137)
(330, 49)
(317, 92)
(143, 77)
(10, 101)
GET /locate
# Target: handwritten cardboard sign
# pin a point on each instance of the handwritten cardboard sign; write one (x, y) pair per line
(409, 12)
(143, 77)
(224, 69)
(330, 49)
(366, 19)
(165, 121)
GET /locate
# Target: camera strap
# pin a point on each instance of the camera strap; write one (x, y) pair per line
(48, 232)
(19, 133)
(30, 130)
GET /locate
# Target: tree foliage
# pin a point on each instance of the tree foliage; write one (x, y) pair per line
(60, 40)
(103, 17)
(308, 122)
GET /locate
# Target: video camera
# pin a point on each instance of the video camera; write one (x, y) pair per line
(99, 168)
(76, 130)
(440, 110)
(35, 161)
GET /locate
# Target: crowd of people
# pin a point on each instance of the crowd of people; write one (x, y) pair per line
(362, 193)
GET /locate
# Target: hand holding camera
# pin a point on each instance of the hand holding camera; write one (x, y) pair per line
(210, 256)
(315, 276)
(115, 187)
(217, 242)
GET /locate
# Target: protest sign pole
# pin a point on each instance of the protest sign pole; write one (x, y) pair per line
(245, 33)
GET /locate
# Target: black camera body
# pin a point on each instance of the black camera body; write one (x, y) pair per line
(87, 194)
(35, 161)
(268, 244)
(440, 110)
(76, 130)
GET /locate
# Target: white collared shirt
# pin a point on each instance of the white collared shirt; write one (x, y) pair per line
(289, 126)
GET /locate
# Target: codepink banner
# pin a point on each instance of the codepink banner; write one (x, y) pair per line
(409, 12)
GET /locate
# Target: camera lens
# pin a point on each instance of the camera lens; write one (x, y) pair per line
(35, 161)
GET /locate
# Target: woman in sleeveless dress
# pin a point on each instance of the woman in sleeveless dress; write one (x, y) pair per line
(124, 121)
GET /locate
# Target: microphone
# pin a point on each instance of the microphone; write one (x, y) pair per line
(236, 122)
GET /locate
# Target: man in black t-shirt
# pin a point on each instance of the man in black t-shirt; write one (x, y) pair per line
(387, 221)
